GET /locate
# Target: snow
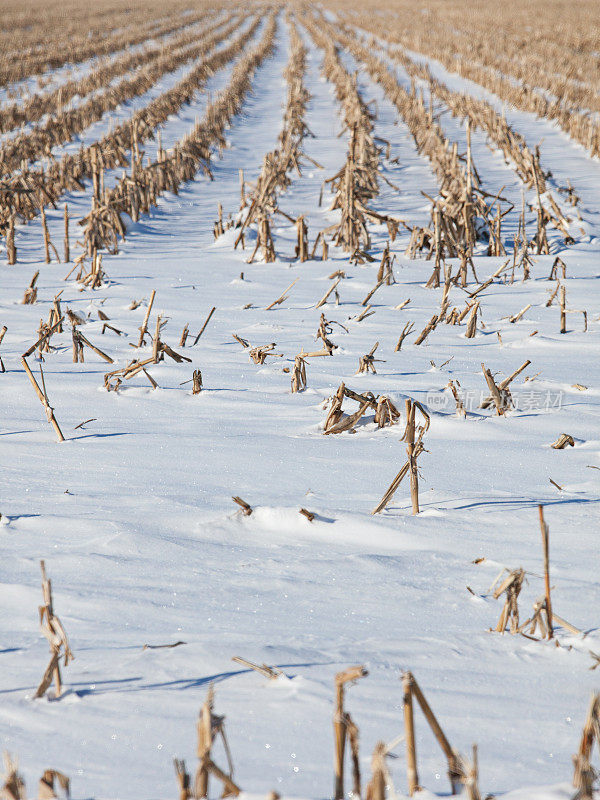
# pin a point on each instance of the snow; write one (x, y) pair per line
(133, 512)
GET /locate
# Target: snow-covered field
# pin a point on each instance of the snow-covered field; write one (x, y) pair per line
(134, 517)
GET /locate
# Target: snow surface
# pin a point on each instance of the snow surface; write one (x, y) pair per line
(134, 517)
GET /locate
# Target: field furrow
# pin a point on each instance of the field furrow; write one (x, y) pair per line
(30, 189)
(556, 101)
(65, 125)
(73, 48)
(106, 74)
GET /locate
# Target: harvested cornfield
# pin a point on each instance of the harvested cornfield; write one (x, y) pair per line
(299, 377)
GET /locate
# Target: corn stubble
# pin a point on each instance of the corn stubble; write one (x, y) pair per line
(464, 219)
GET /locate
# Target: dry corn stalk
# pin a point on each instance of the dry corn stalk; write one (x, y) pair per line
(67, 245)
(584, 775)
(414, 448)
(183, 779)
(408, 329)
(72, 42)
(46, 786)
(263, 669)
(259, 354)
(14, 785)
(68, 172)
(210, 726)
(74, 318)
(347, 423)
(380, 776)
(520, 314)
(46, 233)
(385, 411)
(274, 178)
(2, 333)
(44, 336)
(511, 586)
(503, 385)
(57, 638)
(332, 288)
(558, 262)
(11, 249)
(385, 272)
(472, 322)
(43, 397)
(469, 775)
(144, 326)
(345, 731)
(299, 375)
(114, 379)
(563, 440)
(264, 240)
(196, 382)
(282, 297)
(501, 396)
(96, 276)
(546, 555)
(412, 690)
(301, 250)
(460, 409)
(203, 328)
(537, 621)
(335, 409)
(354, 185)
(79, 340)
(325, 330)
(246, 509)
(218, 227)
(366, 363)
(55, 315)
(78, 356)
(30, 296)
(431, 325)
